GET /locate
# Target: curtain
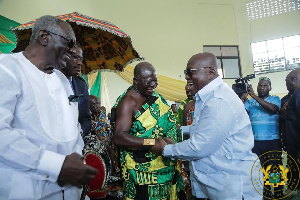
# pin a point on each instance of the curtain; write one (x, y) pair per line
(96, 85)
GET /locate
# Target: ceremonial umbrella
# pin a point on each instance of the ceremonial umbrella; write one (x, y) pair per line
(104, 45)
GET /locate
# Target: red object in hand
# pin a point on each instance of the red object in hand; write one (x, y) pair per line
(95, 185)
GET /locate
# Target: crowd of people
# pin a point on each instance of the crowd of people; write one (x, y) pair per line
(203, 150)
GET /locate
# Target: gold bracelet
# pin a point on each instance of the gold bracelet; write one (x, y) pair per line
(149, 142)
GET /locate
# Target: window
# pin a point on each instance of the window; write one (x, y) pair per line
(276, 55)
(228, 60)
(265, 8)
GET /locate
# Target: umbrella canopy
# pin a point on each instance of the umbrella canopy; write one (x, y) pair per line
(104, 45)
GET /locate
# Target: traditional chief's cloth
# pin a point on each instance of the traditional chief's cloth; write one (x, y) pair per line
(147, 175)
(179, 114)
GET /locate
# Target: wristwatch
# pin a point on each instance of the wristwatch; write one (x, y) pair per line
(149, 142)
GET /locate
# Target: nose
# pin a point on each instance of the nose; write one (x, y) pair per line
(153, 84)
(79, 62)
(187, 77)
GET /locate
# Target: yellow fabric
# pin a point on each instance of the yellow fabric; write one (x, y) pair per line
(91, 78)
(171, 89)
(154, 164)
(4, 39)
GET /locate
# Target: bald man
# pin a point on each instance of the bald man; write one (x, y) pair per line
(293, 115)
(221, 137)
(142, 115)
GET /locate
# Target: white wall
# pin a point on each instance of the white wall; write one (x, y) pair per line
(167, 33)
(273, 27)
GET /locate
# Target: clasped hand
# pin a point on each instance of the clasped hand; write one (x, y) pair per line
(160, 143)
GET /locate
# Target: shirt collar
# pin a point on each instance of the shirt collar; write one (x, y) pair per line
(206, 90)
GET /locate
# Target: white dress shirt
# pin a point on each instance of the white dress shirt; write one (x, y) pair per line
(219, 146)
(38, 128)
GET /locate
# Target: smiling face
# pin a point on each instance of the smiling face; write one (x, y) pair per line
(200, 70)
(63, 47)
(147, 82)
(73, 67)
(145, 79)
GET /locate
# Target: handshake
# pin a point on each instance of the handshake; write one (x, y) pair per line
(160, 144)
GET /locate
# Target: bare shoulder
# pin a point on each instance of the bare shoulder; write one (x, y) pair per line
(127, 102)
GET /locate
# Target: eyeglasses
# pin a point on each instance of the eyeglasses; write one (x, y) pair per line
(71, 42)
(149, 82)
(77, 58)
(190, 72)
(264, 78)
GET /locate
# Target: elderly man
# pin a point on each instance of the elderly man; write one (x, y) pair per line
(221, 139)
(40, 143)
(72, 72)
(142, 115)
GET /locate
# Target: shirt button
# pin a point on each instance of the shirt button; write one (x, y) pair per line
(47, 176)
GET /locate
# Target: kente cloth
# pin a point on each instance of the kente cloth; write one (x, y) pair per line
(179, 114)
(100, 127)
(190, 116)
(160, 175)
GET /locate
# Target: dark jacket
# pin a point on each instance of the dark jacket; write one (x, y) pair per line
(84, 117)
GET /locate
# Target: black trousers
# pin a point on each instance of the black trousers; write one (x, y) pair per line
(264, 150)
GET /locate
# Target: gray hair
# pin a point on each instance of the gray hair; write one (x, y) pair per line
(46, 22)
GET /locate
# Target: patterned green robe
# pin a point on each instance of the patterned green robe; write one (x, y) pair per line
(144, 167)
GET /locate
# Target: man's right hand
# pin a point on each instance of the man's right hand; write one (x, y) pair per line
(251, 91)
(76, 173)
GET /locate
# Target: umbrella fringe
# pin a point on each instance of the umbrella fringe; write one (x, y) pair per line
(113, 70)
(131, 61)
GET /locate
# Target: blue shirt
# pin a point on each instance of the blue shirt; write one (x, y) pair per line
(219, 146)
(265, 125)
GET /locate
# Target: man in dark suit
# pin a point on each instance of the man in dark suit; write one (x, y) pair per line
(72, 72)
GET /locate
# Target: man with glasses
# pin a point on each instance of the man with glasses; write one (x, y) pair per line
(40, 146)
(72, 72)
(263, 110)
(221, 139)
(142, 115)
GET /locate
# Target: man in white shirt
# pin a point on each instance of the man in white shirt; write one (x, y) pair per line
(221, 137)
(40, 146)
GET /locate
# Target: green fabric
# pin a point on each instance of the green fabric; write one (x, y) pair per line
(86, 79)
(179, 114)
(144, 167)
(5, 29)
(96, 87)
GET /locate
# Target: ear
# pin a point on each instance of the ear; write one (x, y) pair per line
(43, 37)
(211, 73)
(134, 81)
